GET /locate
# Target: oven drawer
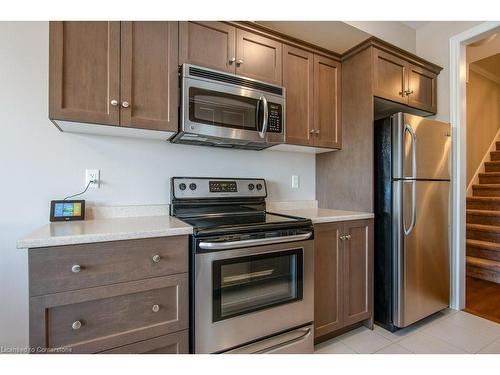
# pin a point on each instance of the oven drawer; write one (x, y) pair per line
(97, 319)
(297, 341)
(174, 343)
(63, 268)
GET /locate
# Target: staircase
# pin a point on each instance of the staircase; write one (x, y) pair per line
(483, 223)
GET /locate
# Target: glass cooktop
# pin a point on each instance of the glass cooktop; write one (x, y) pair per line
(230, 221)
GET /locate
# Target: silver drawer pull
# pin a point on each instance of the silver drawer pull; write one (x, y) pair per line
(76, 325)
(76, 268)
(156, 308)
(348, 237)
(156, 258)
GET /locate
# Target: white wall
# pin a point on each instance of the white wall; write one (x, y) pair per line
(394, 32)
(39, 163)
(433, 44)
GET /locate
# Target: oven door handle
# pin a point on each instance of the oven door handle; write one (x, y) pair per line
(255, 242)
(262, 133)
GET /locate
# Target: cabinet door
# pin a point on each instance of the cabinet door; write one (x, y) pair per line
(358, 271)
(175, 343)
(422, 88)
(209, 44)
(258, 57)
(84, 76)
(327, 102)
(328, 279)
(389, 76)
(299, 95)
(149, 75)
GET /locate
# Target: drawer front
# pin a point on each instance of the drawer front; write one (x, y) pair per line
(97, 319)
(63, 268)
(175, 343)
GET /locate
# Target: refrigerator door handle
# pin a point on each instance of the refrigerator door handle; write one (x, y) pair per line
(413, 207)
(409, 129)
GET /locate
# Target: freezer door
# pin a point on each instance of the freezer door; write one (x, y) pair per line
(422, 253)
(421, 143)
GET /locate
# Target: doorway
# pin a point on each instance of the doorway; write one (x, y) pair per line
(473, 223)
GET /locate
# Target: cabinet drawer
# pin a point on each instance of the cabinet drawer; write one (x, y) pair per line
(175, 343)
(102, 318)
(53, 269)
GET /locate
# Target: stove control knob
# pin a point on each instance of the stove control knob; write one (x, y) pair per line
(192, 186)
(182, 186)
(251, 187)
(259, 186)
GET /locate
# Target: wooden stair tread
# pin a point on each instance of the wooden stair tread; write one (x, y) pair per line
(493, 162)
(472, 211)
(483, 199)
(487, 245)
(489, 174)
(486, 186)
(483, 263)
(483, 228)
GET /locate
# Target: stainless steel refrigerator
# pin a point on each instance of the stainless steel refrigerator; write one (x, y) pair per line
(412, 184)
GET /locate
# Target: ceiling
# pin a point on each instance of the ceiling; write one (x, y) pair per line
(490, 64)
(321, 33)
(415, 24)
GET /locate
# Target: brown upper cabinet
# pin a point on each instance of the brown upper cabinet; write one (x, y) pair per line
(210, 44)
(84, 62)
(114, 73)
(343, 278)
(220, 46)
(313, 107)
(399, 80)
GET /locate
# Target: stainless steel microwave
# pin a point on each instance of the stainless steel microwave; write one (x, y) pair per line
(227, 110)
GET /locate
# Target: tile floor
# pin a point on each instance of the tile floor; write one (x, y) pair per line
(447, 332)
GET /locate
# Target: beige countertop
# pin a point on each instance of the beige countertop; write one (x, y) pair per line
(104, 229)
(323, 215)
(118, 223)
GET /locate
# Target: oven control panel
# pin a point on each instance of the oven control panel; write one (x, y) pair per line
(208, 187)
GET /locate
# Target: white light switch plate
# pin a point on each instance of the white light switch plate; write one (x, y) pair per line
(295, 182)
(92, 174)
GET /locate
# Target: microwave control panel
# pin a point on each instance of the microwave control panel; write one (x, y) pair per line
(275, 118)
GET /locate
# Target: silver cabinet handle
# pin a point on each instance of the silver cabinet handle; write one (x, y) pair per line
(256, 242)
(316, 131)
(114, 102)
(402, 93)
(342, 238)
(348, 237)
(156, 308)
(262, 133)
(156, 258)
(125, 104)
(232, 60)
(311, 131)
(76, 268)
(239, 62)
(76, 325)
(408, 92)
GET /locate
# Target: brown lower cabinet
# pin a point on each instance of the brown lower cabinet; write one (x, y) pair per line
(146, 312)
(343, 278)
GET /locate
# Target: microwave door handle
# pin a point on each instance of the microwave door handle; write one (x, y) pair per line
(264, 120)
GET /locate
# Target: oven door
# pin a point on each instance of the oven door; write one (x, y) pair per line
(225, 111)
(246, 294)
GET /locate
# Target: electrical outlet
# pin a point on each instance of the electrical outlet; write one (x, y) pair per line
(92, 175)
(295, 182)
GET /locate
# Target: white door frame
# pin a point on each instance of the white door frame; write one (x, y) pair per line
(458, 119)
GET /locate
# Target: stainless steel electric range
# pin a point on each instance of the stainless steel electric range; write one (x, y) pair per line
(251, 271)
